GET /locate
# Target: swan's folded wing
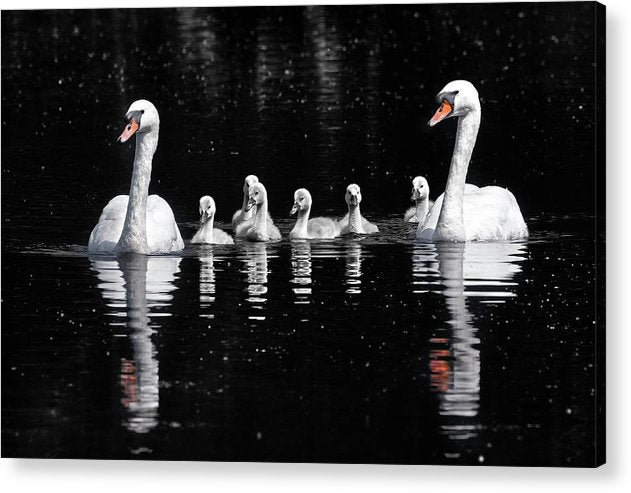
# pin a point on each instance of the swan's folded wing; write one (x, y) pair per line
(115, 209)
(221, 237)
(410, 215)
(344, 221)
(107, 232)
(241, 229)
(323, 227)
(427, 226)
(163, 234)
(369, 227)
(237, 218)
(273, 233)
(492, 213)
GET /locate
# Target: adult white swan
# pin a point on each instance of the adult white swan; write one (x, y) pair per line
(468, 213)
(137, 222)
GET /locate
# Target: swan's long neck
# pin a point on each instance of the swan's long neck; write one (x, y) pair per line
(354, 219)
(143, 398)
(134, 235)
(302, 221)
(206, 230)
(260, 219)
(450, 225)
(422, 205)
(246, 214)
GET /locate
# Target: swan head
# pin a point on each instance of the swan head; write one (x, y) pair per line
(353, 195)
(256, 195)
(302, 201)
(249, 181)
(141, 117)
(420, 188)
(207, 208)
(457, 98)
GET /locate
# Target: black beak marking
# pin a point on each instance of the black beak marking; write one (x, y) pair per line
(136, 115)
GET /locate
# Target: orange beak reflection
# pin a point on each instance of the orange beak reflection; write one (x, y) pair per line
(441, 113)
(129, 130)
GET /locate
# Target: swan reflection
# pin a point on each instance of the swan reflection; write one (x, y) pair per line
(480, 271)
(138, 287)
(354, 268)
(206, 280)
(301, 270)
(255, 258)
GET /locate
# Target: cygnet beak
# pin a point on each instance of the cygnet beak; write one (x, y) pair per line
(353, 199)
(294, 209)
(251, 203)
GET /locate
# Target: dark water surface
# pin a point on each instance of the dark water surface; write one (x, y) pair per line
(361, 349)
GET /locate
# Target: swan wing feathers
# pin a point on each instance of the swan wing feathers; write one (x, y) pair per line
(243, 227)
(344, 220)
(369, 227)
(240, 217)
(201, 237)
(163, 235)
(221, 237)
(322, 227)
(490, 213)
(273, 232)
(106, 233)
(236, 218)
(410, 215)
(115, 209)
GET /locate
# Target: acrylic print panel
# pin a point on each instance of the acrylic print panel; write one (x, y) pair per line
(383, 344)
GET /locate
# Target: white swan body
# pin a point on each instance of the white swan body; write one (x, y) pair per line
(465, 212)
(305, 228)
(353, 221)
(138, 222)
(420, 196)
(207, 233)
(493, 210)
(260, 228)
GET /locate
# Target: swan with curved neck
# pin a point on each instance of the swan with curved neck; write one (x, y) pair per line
(465, 212)
(261, 228)
(207, 233)
(138, 222)
(354, 222)
(245, 214)
(420, 196)
(305, 228)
